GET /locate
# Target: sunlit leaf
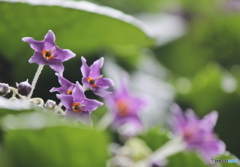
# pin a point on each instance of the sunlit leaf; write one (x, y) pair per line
(82, 27)
(56, 146)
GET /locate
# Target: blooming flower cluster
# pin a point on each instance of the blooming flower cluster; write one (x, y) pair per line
(124, 108)
(72, 97)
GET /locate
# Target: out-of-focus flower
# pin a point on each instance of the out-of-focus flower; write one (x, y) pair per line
(48, 53)
(134, 153)
(198, 133)
(93, 79)
(4, 89)
(66, 86)
(24, 88)
(125, 109)
(78, 107)
(50, 104)
(17, 104)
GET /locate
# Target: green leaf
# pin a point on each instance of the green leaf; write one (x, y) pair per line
(155, 138)
(229, 156)
(82, 27)
(56, 146)
(206, 83)
(4, 112)
(186, 159)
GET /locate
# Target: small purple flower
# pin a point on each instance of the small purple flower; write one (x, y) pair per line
(24, 88)
(78, 107)
(198, 133)
(66, 86)
(48, 53)
(125, 109)
(93, 79)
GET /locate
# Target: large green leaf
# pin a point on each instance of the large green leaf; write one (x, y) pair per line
(82, 27)
(55, 147)
(186, 159)
(231, 159)
(40, 139)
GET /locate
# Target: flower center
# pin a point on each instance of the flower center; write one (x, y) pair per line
(48, 54)
(190, 134)
(77, 107)
(91, 81)
(69, 92)
(122, 107)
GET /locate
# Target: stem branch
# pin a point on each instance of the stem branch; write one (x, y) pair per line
(34, 82)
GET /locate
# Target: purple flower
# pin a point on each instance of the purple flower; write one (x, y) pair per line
(78, 107)
(66, 86)
(93, 79)
(198, 133)
(125, 109)
(48, 53)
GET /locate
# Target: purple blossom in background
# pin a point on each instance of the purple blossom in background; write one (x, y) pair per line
(125, 109)
(78, 107)
(198, 133)
(93, 79)
(48, 53)
(66, 86)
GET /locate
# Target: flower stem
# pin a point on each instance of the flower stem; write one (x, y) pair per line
(15, 92)
(34, 82)
(105, 121)
(175, 145)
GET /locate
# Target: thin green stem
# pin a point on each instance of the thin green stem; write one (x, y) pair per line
(15, 92)
(35, 79)
(105, 121)
(174, 146)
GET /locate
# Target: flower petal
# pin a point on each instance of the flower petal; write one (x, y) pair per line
(212, 149)
(83, 117)
(56, 65)
(104, 83)
(61, 90)
(64, 82)
(130, 128)
(136, 104)
(91, 105)
(95, 68)
(86, 83)
(38, 59)
(209, 121)
(35, 45)
(101, 92)
(78, 93)
(66, 100)
(191, 116)
(123, 89)
(178, 120)
(84, 68)
(49, 40)
(63, 54)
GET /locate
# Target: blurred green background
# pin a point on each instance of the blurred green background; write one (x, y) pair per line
(202, 63)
